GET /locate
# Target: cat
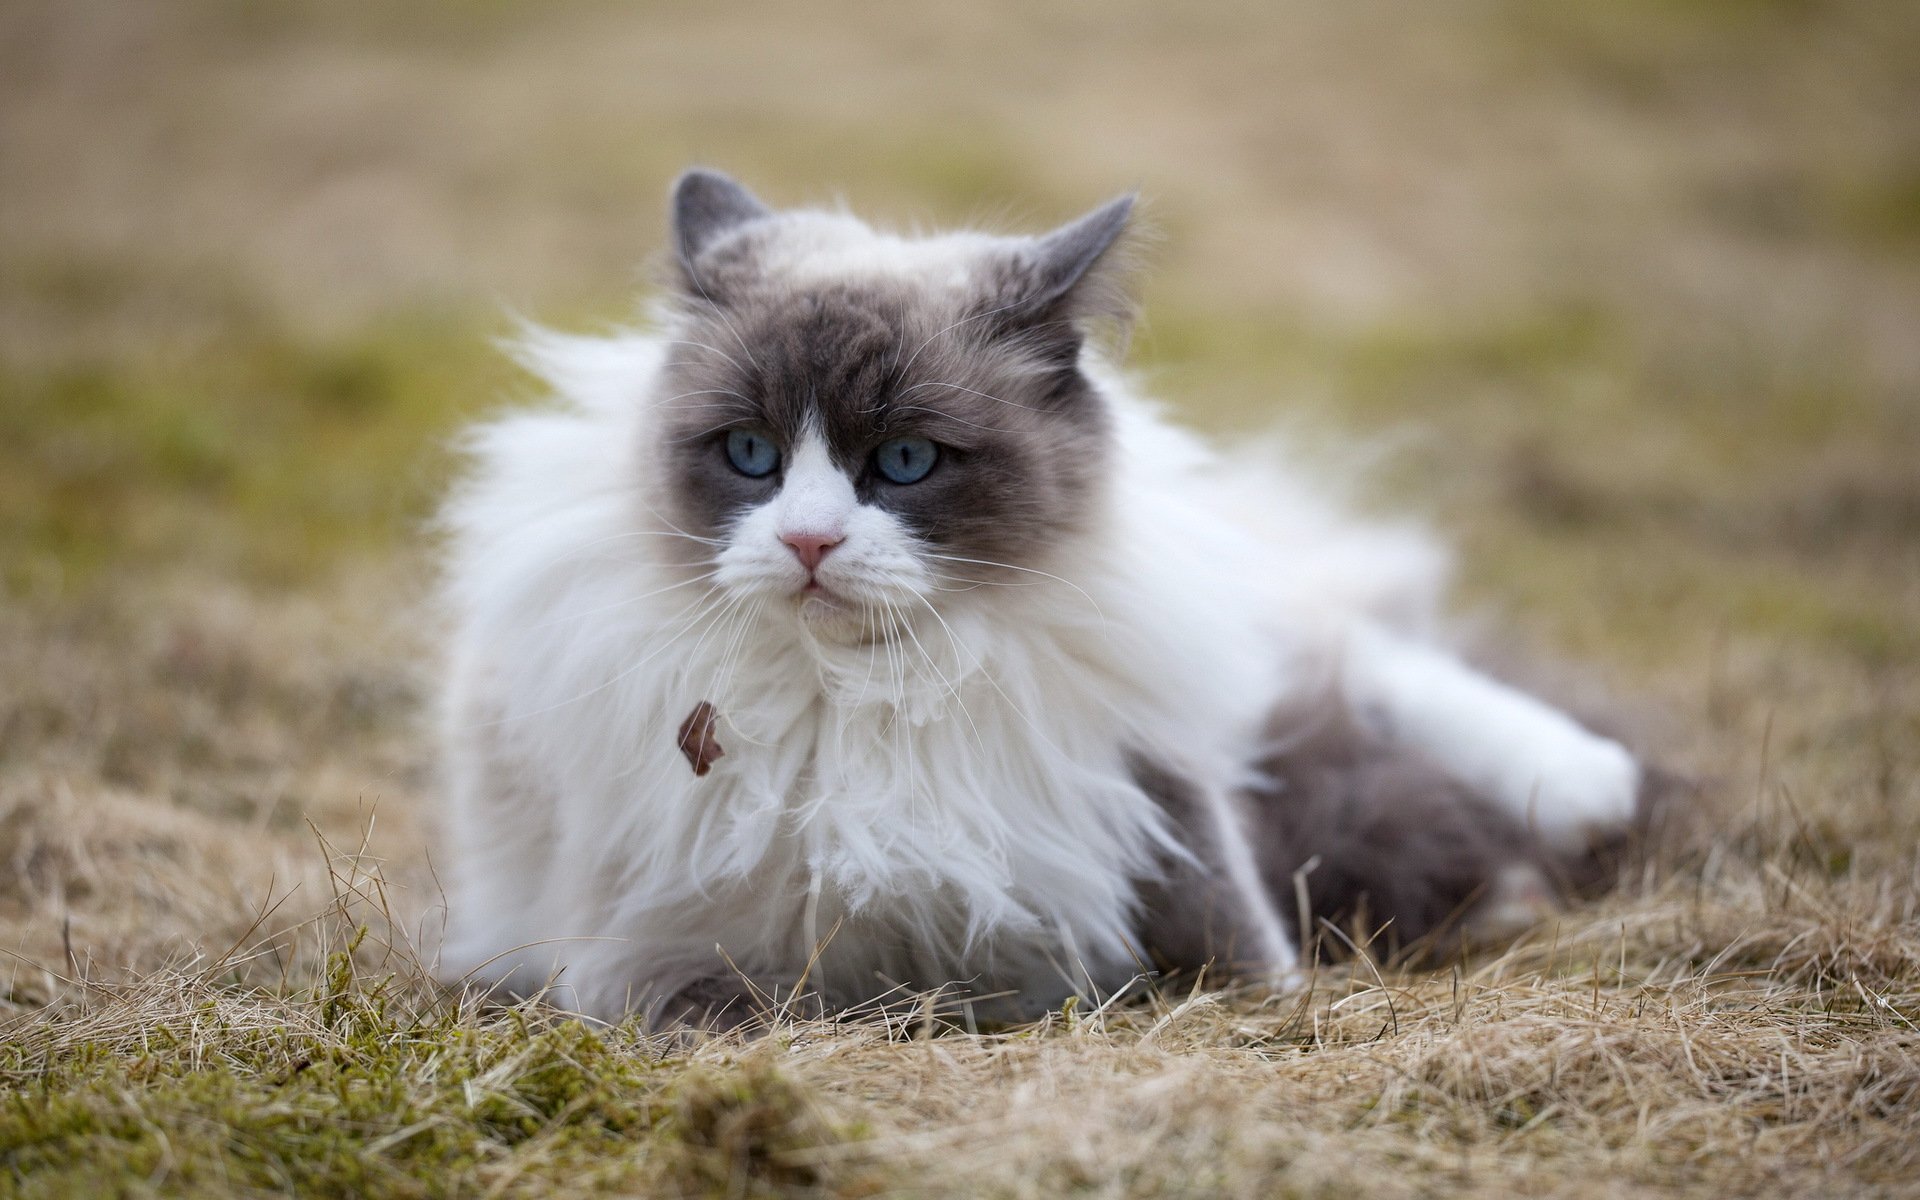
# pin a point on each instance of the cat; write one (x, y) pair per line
(855, 630)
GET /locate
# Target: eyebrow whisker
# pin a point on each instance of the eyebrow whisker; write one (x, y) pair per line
(906, 408)
(940, 332)
(970, 391)
(717, 350)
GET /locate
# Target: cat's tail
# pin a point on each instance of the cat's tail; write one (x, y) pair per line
(1365, 845)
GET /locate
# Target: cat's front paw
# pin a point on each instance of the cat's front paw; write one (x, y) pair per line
(1575, 791)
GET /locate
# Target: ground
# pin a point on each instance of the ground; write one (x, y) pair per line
(1625, 298)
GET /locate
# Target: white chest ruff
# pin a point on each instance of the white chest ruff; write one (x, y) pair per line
(870, 819)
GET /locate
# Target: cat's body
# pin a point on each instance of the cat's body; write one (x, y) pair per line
(1005, 666)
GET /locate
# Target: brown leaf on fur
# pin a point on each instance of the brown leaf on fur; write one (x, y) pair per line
(697, 740)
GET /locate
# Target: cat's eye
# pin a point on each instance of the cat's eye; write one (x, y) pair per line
(752, 454)
(906, 460)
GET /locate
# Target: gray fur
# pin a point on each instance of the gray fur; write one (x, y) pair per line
(1190, 914)
(1023, 442)
(1055, 271)
(706, 206)
(1390, 850)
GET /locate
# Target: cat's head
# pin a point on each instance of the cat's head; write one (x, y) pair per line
(849, 420)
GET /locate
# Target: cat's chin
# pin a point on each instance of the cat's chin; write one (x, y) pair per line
(837, 618)
(830, 616)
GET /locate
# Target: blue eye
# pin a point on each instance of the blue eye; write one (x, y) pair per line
(752, 454)
(907, 459)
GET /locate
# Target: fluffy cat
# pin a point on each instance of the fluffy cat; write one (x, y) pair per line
(1017, 689)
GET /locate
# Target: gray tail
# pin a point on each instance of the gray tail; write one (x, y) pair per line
(1371, 846)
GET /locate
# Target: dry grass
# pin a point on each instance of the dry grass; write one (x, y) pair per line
(1640, 280)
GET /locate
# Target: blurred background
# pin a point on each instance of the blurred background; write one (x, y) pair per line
(1632, 288)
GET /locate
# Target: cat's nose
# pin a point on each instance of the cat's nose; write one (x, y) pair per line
(810, 548)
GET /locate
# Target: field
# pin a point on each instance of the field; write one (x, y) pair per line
(1626, 296)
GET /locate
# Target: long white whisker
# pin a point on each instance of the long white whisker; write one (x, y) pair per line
(729, 667)
(1029, 570)
(952, 689)
(734, 604)
(588, 612)
(949, 329)
(704, 346)
(947, 416)
(905, 727)
(639, 533)
(872, 632)
(709, 431)
(895, 672)
(976, 584)
(906, 627)
(658, 516)
(970, 391)
(728, 610)
(710, 604)
(748, 400)
(694, 277)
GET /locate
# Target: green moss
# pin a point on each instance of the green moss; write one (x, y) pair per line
(364, 1103)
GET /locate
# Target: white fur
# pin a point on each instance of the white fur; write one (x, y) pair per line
(1535, 762)
(949, 803)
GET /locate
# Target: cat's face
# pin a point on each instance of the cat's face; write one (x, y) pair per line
(853, 443)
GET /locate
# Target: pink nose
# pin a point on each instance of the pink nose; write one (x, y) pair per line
(810, 548)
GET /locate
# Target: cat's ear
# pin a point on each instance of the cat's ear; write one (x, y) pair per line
(1065, 260)
(707, 206)
(1061, 281)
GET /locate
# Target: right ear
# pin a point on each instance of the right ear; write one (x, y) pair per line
(706, 207)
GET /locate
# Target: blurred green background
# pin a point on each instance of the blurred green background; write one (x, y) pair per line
(1634, 287)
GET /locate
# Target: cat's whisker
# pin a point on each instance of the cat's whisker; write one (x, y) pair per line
(741, 396)
(952, 689)
(939, 333)
(745, 411)
(1027, 570)
(672, 533)
(870, 630)
(618, 604)
(705, 604)
(905, 731)
(641, 533)
(708, 432)
(970, 391)
(736, 603)
(907, 626)
(728, 670)
(974, 585)
(846, 712)
(947, 416)
(959, 648)
(725, 611)
(903, 625)
(896, 671)
(715, 349)
(658, 516)
(693, 277)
